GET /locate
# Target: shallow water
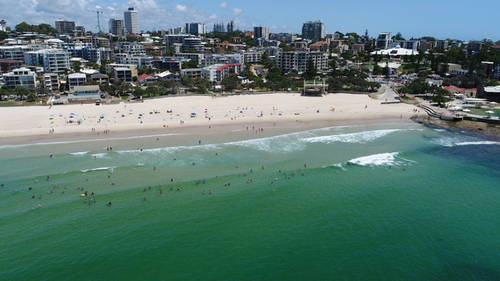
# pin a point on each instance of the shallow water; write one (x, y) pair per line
(375, 202)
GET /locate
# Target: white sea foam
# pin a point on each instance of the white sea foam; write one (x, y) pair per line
(461, 141)
(97, 169)
(477, 143)
(382, 159)
(339, 166)
(361, 137)
(79, 153)
(99, 155)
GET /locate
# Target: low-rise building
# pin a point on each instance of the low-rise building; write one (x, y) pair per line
(146, 79)
(76, 79)
(191, 73)
(123, 74)
(111, 66)
(168, 76)
(20, 77)
(100, 78)
(85, 94)
(51, 82)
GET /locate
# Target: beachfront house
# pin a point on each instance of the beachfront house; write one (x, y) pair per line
(85, 94)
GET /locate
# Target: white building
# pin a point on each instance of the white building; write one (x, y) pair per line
(222, 59)
(53, 60)
(217, 72)
(20, 77)
(76, 79)
(131, 21)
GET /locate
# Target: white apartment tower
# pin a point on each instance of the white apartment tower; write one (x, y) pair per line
(131, 21)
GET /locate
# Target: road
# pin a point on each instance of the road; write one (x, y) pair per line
(259, 69)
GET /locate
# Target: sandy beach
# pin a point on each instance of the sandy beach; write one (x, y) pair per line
(24, 124)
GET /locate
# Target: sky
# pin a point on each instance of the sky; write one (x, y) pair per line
(442, 19)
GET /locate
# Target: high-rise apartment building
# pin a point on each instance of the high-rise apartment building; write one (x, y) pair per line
(65, 26)
(261, 32)
(313, 30)
(384, 39)
(116, 27)
(196, 28)
(131, 21)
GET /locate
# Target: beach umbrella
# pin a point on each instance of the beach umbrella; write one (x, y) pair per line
(71, 114)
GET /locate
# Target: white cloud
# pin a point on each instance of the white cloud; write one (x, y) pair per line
(223, 5)
(151, 14)
(181, 8)
(237, 11)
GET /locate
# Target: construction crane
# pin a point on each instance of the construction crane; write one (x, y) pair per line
(98, 19)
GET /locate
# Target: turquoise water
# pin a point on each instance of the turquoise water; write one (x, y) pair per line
(377, 202)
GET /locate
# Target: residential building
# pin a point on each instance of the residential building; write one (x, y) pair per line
(191, 73)
(76, 79)
(146, 79)
(474, 46)
(131, 21)
(287, 61)
(170, 64)
(7, 65)
(139, 61)
(17, 52)
(123, 74)
(51, 82)
(52, 60)
(442, 45)
(20, 77)
(130, 48)
(168, 76)
(313, 30)
(261, 32)
(252, 57)
(110, 68)
(357, 48)
(100, 78)
(217, 72)
(384, 40)
(196, 28)
(190, 56)
(116, 27)
(321, 46)
(222, 59)
(65, 26)
(406, 44)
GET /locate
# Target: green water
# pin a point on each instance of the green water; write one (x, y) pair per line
(376, 202)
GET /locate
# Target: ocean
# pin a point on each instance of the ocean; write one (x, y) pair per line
(392, 201)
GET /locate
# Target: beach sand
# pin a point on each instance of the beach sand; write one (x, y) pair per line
(33, 123)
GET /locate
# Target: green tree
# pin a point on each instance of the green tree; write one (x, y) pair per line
(190, 64)
(398, 36)
(230, 82)
(4, 92)
(22, 91)
(311, 70)
(3, 35)
(152, 91)
(31, 97)
(23, 27)
(138, 92)
(440, 96)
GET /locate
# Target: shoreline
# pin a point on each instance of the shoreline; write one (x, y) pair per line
(282, 110)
